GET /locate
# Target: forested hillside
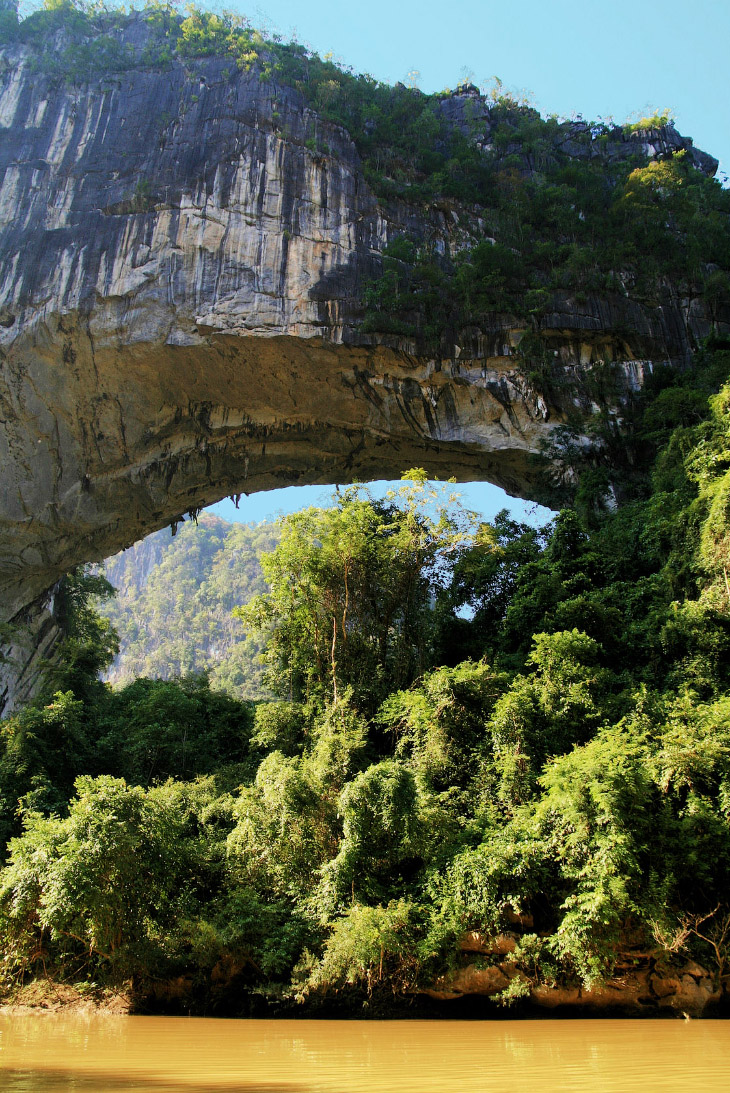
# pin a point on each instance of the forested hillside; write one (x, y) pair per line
(174, 603)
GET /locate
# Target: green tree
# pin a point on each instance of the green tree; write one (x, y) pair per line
(152, 730)
(351, 593)
(105, 882)
(43, 748)
(8, 20)
(440, 725)
(380, 845)
(372, 947)
(89, 642)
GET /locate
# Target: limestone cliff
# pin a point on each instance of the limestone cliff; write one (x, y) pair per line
(184, 257)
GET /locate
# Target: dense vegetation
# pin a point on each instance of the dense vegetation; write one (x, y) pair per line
(174, 600)
(577, 227)
(476, 727)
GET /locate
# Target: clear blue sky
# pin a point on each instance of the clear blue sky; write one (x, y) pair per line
(596, 59)
(482, 497)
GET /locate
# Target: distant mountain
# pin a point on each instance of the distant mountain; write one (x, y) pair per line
(174, 603)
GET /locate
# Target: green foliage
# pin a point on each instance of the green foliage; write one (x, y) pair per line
(89, 643)
(350, 594)
(285, 829)
(709, 467)
(9, 24)
(412, 297)
(42, 750)
(439, 723)
(484, 887)
(152, 730)
(582, 226)
(658, 120)
(204, 33)
(371, 947)
(600, 808)
(99, 881)
(379, 809)
(281, 726)
(172, 609)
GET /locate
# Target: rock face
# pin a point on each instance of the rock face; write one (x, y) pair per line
(181, 287)
(641, 984)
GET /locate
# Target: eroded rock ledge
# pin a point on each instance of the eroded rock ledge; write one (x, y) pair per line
(643, 984)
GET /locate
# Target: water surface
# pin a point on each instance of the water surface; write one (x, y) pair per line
(60, 1053)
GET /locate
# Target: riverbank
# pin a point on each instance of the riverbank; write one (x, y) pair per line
(684, 990)
(49, 996)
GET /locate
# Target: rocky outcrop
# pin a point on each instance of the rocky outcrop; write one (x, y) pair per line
(26, 651)
(183, 257)
(642, 983)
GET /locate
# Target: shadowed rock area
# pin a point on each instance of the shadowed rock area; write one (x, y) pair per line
(181, 300)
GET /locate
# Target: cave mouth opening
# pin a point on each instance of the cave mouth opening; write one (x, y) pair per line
(34, 628)
(173, 608)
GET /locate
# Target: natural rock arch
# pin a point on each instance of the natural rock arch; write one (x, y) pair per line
(180, 319)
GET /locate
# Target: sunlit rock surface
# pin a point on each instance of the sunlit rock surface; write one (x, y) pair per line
(641, 984)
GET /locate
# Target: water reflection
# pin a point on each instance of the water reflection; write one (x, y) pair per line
(72, 1054)
(48, 1081)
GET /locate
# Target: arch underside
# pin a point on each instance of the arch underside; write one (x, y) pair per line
(127, 439)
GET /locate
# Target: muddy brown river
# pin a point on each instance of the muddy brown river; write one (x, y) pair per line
(104, 1054)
